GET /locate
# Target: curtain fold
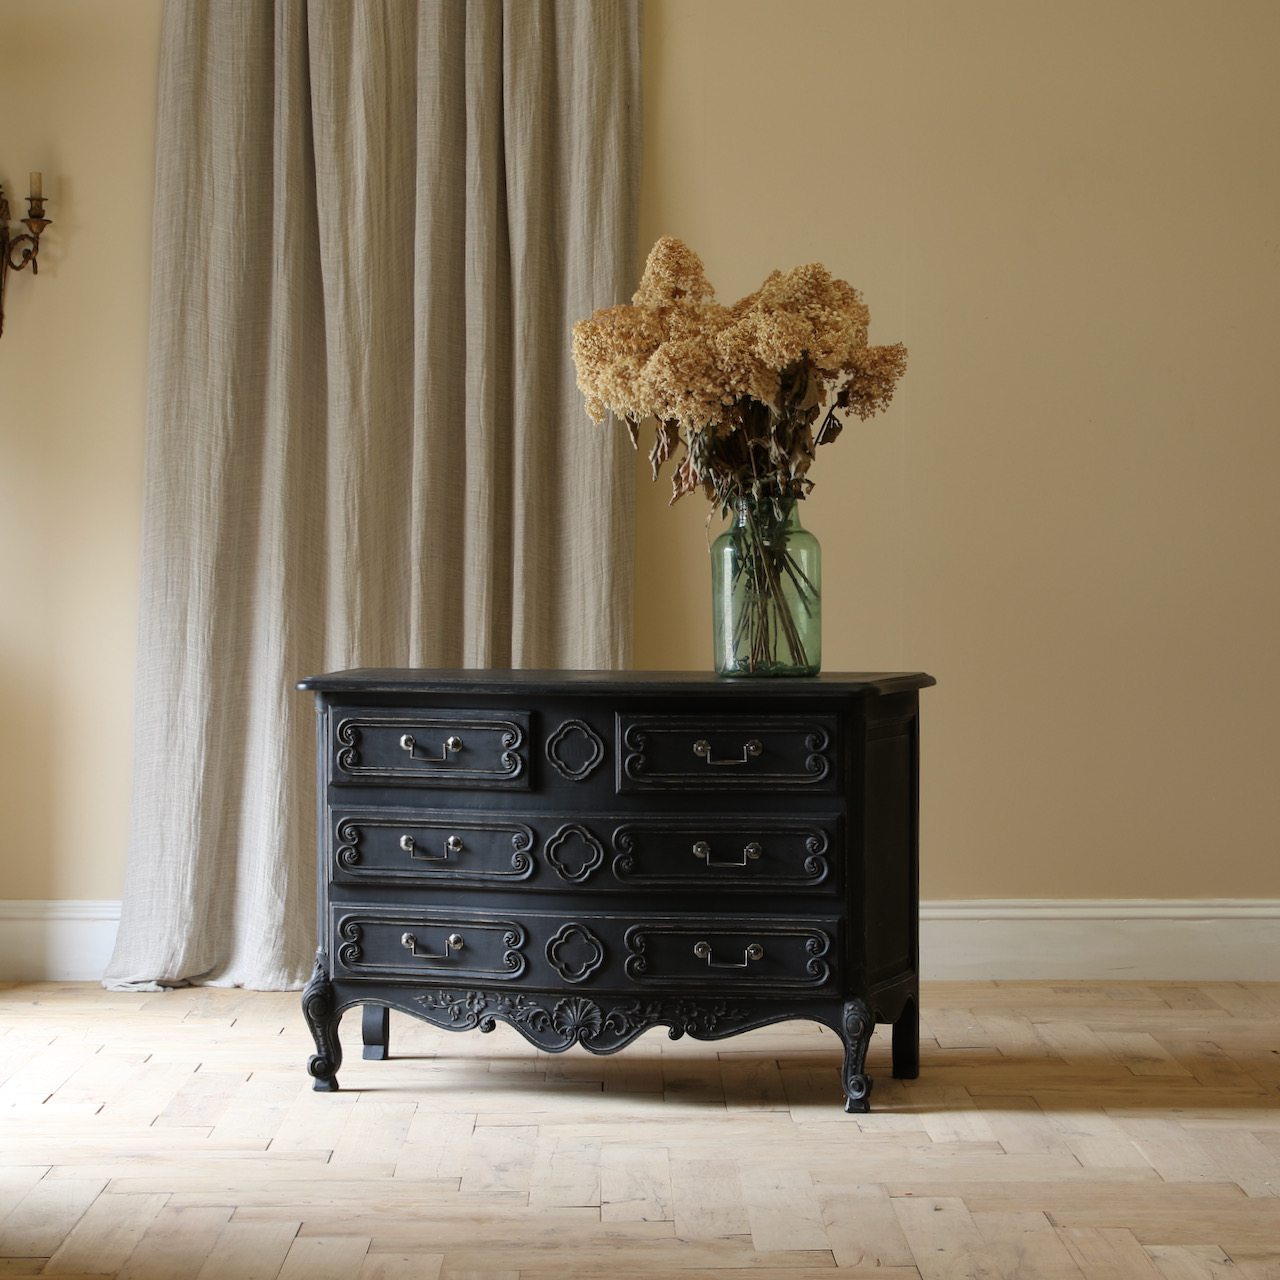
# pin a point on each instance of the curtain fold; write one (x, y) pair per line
(375, 223)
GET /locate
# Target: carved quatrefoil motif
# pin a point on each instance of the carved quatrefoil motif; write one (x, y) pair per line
(574, 853)
(576, 750)
(575, 953)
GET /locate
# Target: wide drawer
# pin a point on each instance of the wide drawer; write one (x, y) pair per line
(462, 749)
(430, 844)
(412, 943)
(727, 752)
(756, 854)
(549, 851)
(605, 951)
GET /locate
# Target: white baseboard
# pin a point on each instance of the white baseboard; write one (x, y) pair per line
(1211, 940)
(65, 940)
(1169, 940)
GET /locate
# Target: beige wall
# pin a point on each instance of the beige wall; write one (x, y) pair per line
(1068, 516)
(79, 81)
(1071, 515)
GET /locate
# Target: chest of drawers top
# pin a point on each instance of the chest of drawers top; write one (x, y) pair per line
(449, 681)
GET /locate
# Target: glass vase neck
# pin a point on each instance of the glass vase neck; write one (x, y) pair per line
(784, 511)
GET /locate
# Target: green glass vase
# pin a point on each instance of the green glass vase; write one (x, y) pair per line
(766, 586)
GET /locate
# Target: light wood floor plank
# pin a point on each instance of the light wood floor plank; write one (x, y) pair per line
(1193, 1262)
(43, 1218)
(325, 1258)
(249, 1251)
(783, 1208)
(106, 1235)
(1108, 1253)
(945, 1242)
(176, 1244)
(635, 1184)
(401, 1266)
(566, 1172)
(708, 1199)
(863, 1230)
(1024, 1247)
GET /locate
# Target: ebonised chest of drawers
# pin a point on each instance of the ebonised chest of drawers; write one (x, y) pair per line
(586, 855)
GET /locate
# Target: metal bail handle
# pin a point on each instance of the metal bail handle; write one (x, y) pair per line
(703, 850)
(703, 951)
(410, 846)
(452, 943)
(751, 748)
(451, 743)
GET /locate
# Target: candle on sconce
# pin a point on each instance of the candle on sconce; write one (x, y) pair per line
(37, 186)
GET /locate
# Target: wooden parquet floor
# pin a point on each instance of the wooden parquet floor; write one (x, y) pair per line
(1113, 1131)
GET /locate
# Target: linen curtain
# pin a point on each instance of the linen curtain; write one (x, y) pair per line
(375, 223)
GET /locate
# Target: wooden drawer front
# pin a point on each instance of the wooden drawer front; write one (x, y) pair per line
(748, 854)
(454, 749)
(594, 950)
(768, 954)
(726, 752)
(409, 943)
(417, 844)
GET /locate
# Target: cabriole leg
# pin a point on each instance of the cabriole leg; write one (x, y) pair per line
(375, 1027)
(856, 1026)
(317, 1008)
(906, 1041)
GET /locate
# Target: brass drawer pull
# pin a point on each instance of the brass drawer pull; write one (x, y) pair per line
(703, 951)
(452, 743)
(703, 850)
(410, 846)
(452, 943)
(751, 748)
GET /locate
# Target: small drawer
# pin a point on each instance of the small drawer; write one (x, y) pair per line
(727, 752)
(768, 954)
(432, 946)
(760, 855)
(426, 844)
(453, 749)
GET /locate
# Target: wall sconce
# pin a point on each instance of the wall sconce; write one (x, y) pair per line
(26, 246)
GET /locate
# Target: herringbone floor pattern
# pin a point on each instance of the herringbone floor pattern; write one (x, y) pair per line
(1113, 1131)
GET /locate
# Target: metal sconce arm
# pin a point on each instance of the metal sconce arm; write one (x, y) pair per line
(21, 251)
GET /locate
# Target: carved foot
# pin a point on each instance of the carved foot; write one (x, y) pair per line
(317, 1008)
(856, 1027)
(375, 1026)
(906, 1042)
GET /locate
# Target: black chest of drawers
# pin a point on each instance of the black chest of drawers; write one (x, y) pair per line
(587, 855)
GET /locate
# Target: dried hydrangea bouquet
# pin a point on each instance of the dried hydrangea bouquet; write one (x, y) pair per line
(741, 396)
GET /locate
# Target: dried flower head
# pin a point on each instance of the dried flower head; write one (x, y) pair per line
(738, 388)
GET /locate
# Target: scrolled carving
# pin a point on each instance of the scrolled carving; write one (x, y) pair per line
(816, 946)
(350, 953)
(635, 765)
(348, 736)
(348, 852)
(521, 862)
(601, 1025)
(565, 735)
